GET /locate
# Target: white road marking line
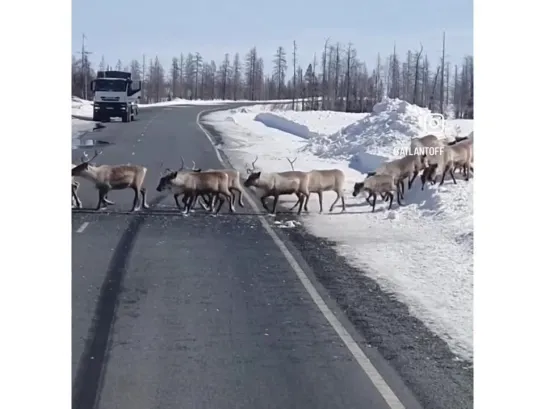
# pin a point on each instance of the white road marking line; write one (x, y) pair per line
(380, 383)
(82, 227)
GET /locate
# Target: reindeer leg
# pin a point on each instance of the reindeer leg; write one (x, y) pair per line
(135, 202)
(275, 202)
(178, 202)
(335, 202)
(369, 197)
(102, 191)
(221, 201)
(342, 202)
(306, 199)
(452, 176)
(411, 180)
(264, 203)
(188, 203)
(374, 201)
(203, 203)
(240, 198)
(423, 177)
(75, 198)
(320, 200)
(391, 197)
(296, 203)
(231, 198)
(144, 192)
(212, 199)
(232, 190)
(300, 203)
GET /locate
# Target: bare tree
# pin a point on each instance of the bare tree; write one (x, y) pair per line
(236, 76)
(294, 76)
(197, 65)
(225, 75)
(279, 70)
(348, 62)
(252, 74)
(174, 74)
(442, 86)
(416, 71)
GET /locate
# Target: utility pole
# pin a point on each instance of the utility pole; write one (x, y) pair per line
(84, 66)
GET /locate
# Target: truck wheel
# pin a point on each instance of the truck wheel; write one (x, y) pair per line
(96, 117)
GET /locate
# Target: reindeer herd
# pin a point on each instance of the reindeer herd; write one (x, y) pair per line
(220, 185)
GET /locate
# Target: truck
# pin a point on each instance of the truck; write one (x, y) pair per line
(116, 95)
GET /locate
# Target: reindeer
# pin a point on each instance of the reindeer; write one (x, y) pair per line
(276, 184)
(192, 184)
(320, 181)
(234, 187)
(113, 177)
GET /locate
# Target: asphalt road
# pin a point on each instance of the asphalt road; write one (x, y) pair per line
(197, 312)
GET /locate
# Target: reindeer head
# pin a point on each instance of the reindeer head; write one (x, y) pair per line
(358, 187)
(85, 163)
(166, 179)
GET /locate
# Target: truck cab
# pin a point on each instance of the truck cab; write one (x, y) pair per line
(115, 96)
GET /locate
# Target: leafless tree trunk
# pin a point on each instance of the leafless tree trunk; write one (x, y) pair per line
(236, 76)
(416, 71)
(442, 89)
(348, 61)
(279, 70)
(294, 75)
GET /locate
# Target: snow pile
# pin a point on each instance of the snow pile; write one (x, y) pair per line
(422, 252)
(82, 115)
(277, 122)
(392, 123)
(82, 109)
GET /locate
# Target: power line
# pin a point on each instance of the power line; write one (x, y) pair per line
(84, 66)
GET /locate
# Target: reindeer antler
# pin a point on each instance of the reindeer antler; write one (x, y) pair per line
(164, 171)
(85, 158)
(292, 162)
(253, 165)
(183, 162)
(194, 165)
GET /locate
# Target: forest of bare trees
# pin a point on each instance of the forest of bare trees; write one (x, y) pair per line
(335, 80)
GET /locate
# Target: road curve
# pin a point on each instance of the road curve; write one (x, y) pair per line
(197, 312)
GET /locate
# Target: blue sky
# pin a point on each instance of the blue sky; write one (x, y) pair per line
(122, 29)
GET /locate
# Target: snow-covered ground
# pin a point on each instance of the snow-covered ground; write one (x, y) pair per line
(82, 115)
(421, 252)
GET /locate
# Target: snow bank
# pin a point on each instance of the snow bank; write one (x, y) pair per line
(82, 115)
(421, 252)
(277, 122)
